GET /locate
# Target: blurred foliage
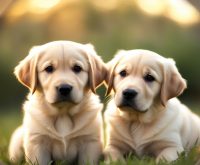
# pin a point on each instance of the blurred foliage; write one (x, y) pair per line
(123, 27)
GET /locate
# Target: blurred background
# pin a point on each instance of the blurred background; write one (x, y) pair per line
(168, 27)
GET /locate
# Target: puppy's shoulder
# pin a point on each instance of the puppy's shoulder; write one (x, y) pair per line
(111, 109)
(34, 103)
(91, 102)
(179, 110)
(176, 106)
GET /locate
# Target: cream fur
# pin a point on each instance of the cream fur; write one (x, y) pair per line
(166, 128)
(67, 130)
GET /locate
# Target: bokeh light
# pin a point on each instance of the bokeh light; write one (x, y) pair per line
(179, 11)
(41, 6)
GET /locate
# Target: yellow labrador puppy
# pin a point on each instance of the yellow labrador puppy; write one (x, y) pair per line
(143, 116)
(62, 117)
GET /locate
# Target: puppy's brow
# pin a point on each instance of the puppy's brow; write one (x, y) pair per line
(45, 64)
(124, 67)
(138, 63)
(63, 57)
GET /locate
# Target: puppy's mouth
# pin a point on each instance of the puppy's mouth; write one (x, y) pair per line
(63, 101)
(130, 106)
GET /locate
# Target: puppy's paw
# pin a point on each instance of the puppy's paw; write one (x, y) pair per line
(169, 154)
(113, 155)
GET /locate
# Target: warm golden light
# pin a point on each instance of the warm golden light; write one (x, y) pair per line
(17, 10)
(179, 11)
(41, 6)
(152, 7)
(182, 12)
(23, 7)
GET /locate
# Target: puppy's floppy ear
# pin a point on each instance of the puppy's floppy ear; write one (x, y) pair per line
(111, 65)
(26, 71)
(173, 84)
(110, 76)
(97, 68)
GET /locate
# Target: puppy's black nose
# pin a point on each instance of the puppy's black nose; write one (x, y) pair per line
(65, 89)
(129, 94)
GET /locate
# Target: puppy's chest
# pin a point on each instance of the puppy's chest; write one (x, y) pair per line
(136, 131)
(63, 125)
(138, 137)
(64, 144)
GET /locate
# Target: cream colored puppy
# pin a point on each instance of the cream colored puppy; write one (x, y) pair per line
(143, 116)
(62, 117)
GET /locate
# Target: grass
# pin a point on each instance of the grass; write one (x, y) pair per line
(9, 120)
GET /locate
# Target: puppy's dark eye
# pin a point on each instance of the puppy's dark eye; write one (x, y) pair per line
(49, 69)
(149, 78)
(77, 69)
(123, 73)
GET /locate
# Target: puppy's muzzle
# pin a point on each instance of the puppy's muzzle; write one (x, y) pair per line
(64, 92)
(128, 98)
(129, 94)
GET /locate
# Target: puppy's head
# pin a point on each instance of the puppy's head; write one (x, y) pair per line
(139, 78)
(62, 71)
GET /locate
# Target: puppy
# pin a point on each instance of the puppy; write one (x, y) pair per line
(62, 115)
(144, 117)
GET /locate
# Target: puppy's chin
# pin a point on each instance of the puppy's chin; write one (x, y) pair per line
(62, 102)
(130, 107)
(59, 101)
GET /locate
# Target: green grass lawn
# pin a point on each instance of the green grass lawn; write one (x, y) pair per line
(9, 120)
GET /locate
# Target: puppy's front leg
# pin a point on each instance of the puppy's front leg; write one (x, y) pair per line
(16, 145)
(90, 153)
(169, 154)
(37, 150)
(112, 153)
